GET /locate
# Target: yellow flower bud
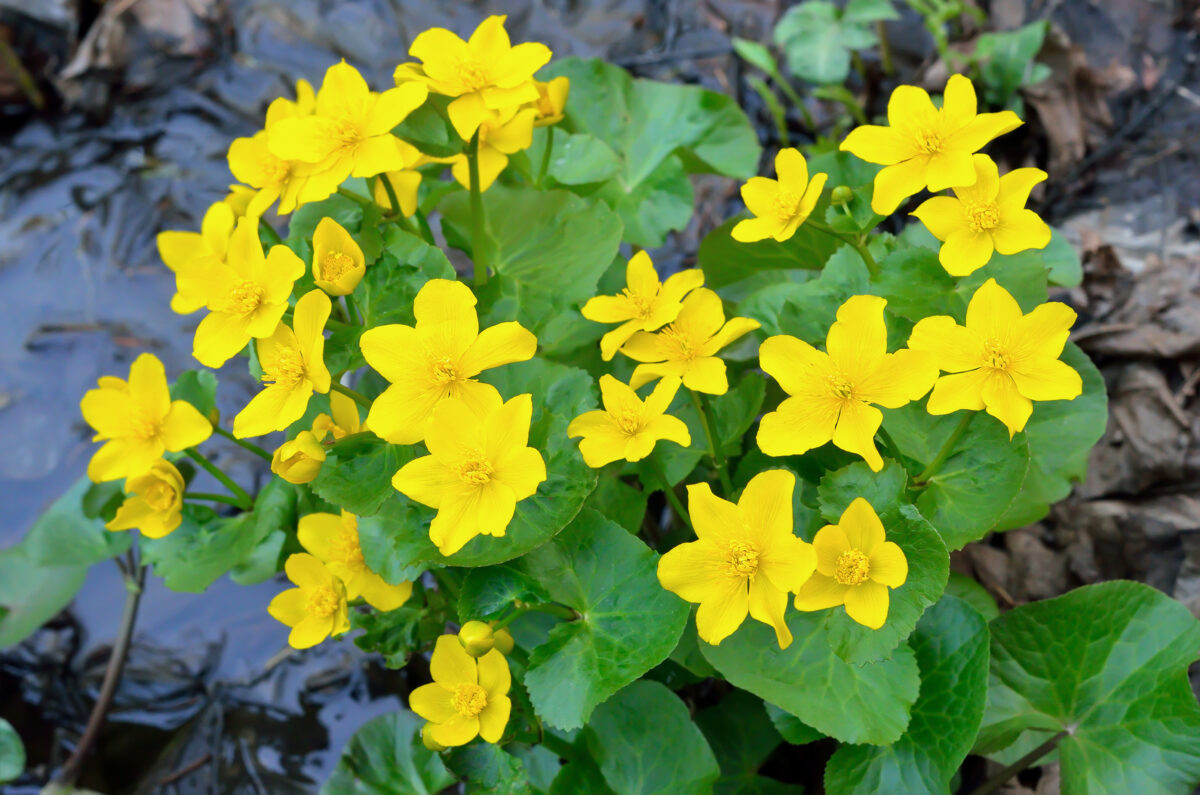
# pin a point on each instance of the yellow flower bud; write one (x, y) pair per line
(504, 641)
(299, 460)
(429, 742)
(477, 638)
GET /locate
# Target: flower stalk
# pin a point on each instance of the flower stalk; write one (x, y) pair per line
(246, 502)
(935, 465)
(478, 222)
(714, 448)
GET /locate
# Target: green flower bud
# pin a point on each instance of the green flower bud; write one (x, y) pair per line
(477, 638)
(841, 195)
(429, 742)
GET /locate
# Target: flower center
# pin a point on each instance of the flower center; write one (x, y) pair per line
(345, 132)
(472, 75)
(786, 205)
(274, 170)
(346, 550)
(930, 141)
(682, 341)
(445, 370)
(145, 424)
(628, 420)
(475, 469)
(322, 602)
(335, 265)
(287, 370)
(295, 458)
(160, 496)
(840, 387)
(742, 559)
(982, 217)
(994, 355)
(245, 297)
(642, 306)
(852, 568)
(468, 699)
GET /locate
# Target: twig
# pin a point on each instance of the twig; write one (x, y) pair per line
(995, 782)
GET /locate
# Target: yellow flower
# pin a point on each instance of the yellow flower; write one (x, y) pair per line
(500, 135)
(316, 608)
(195, 257)
(479, 467)
(926, 146)
(646, 304)
(345, 419)
(688, 347)
(437, 359)
(781, 205)
(745, 558)
(334, 541)
(338, 262)
(299, 460)
(271, 177)
(467, 697)
(293, 368)
(830, 395)
(247, 296)
(238, 199)
(485, 73)
(855, 567)
(137, 421)
(628, 428)
(989, 215)
(350, 134)
(406, 183)
(477, 638)
(551, 101)
(1001, 360)
(155, 501)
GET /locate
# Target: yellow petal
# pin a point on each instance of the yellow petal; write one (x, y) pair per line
(643, 346)
(306, 571)
(855, 431)
(942, 216)
(433, 702)
(1043, 332)
(797, 426)
(496, 506)
(110, 462)
(426, 480)
(793, 363)
(958, 101)
(766, 504)
(759, 195)
(910, 108)
(829, 544)
(868, 604)
(897, 182)
(450, 664)
(958, 391)
(734, 329)
(857, 342)
(706, 374)
(382, 595)
(901, 377)
(993, 312)
(949, 170)
(712, 517)
(1047, 380)
(1019, 231)
(671, 429)
(392, 106)
(819, 593)
(602, 444)
(317, 532)
(888, 565)
(791, 170)
(498, 345)
(723, 611)
(983, 128)
(678, 285)
(343, 92)
(876, 144)
(691, 571)
(767, 604)
(659, 400)
(308, 324)
(273, 409)
(617, 338)
(457, 521)
(309, 632)
(862, 527)
(954, 348)
(445, 313)
(494, 718)
(608, 309)
(184, 426)
(1015, 187)
(789, 562)
(494, 676)
(986, 186)
(456, 731)
(1006, 403)
(751, 230)
(288, 607)
(148, 384)
(965, 252)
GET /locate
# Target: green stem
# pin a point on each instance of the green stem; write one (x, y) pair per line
(794, 98)
(242, 443)
(559, 746)
(355, 197)
(885, 48)
(995, 782)
(391, 194)
(714, 449)
(858, 245)
(202, 495)
(936, 464)
(426, 231)
(357, 397)
(565, 613)
(546, 156)
(478, 223)
(352, 310)
(272, 235)
(247, 502)
(672, 497)
(888, 444)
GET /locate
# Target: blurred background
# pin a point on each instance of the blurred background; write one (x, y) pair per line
(114, 122)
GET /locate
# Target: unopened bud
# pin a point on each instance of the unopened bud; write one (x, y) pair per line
(841, 195)
(504, 641)
(428, 741)
(477, 638)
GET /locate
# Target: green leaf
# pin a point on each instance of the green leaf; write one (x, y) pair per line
(357, 473)
(1062, 261)
(533, 233)
(198, 387)
(978, 481)
(12, 752)
(576, 159)
(1023, 275)
(627, 623)
(394, 634)
(807, 309)
(648, 125)
(726, 261)
(757, 55)
(31, 594)
(346, 212)
(790, 727)
(928, 561)
(1007, 61)
(644, 742)
(1061, 434)
(742, 737)
(869, 11)
(916, 285)
(263, 561)
(386, 756)
(579, 777)
(386, 292)
(852, 703)
(951, 644)
(488, 768)
(65, 536)
(620, 502)
(963, 587)
(1108, 664)
(488, 591)
(195, 554)
(428, 128)
(396, 541)
(816, 39)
